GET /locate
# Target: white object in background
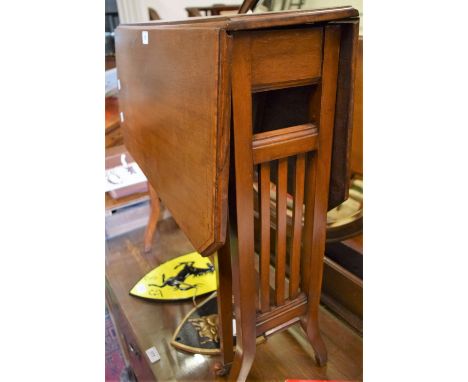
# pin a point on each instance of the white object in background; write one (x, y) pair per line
(153, 354)
(124, 175)
(111, 82)
(144, 37)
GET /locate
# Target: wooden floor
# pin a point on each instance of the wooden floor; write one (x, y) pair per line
(284, 355)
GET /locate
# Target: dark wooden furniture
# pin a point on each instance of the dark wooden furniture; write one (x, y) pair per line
(357, 151)
(178, 82)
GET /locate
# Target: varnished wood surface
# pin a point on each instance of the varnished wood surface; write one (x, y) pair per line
(264, 203)
(280, 268)
(224, 300)
(174, 124)
(114, 135)
(242, 248)
(287, 18)
(276, 144)
(276, 60)
(112, 113)
(357, 149)
(285, 355)
(177, 86)
(297, 225)
(156, 122)
(340, 166)
(355, 243)
(259, 20)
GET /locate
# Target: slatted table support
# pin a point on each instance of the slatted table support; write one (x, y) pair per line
(207, 181)
(311, 147)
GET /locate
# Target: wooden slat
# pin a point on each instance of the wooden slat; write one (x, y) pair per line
(242, 250)
(310, 180)
(285, 84)
(265, 236)
(276, 144)
(297, 226)
(281, 193)
(321, 165)
(276, 317)
(224, 299)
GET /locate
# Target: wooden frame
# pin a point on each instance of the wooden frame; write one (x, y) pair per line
(236, 50)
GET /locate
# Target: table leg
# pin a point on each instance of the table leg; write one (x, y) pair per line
(224, 283)
(153, 218)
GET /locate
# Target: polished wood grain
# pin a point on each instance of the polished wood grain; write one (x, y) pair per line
(341, 149)
(304, 307)
(342, 292)
(281, 193)
(277, 61)
(224, 296)
(297, 226)
(264, 204)
(321, 166)
(112, 113)
(158, 90)
(233, 62)
(286, 354)
(223, 141)
(275, 144)
(289, 18)
(357, 145)
(158, 117)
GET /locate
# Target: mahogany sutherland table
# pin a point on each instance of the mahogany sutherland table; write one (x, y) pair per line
(212, 105)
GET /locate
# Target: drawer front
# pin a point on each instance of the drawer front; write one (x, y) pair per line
(285, 57)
